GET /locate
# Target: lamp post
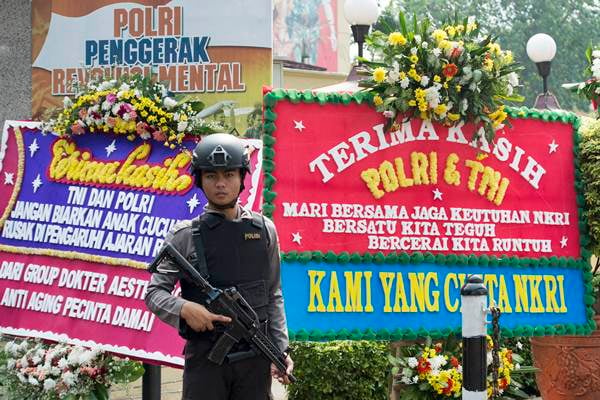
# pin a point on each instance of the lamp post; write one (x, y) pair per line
(541, 49)
(360, 14)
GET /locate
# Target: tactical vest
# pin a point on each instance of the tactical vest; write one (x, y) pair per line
(236, 255)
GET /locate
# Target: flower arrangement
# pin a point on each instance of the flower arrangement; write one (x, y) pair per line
(433, 371)
(133, 106)
(590, 89)
(446, 74)
(34, 370)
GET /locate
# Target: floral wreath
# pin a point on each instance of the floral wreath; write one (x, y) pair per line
(134, 106)
(446, 74)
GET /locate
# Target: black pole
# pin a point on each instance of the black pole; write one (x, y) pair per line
(359, 32)
(151, 382)
(544, 71)
(474, 332)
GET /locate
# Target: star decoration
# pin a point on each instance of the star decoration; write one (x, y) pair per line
(37, 182)
(9, 178)
(296, 238)
(563, 242)
(33, 147)
(299, 125)
(193, 203)
(110, 148)
(553, 146)
(437, 194)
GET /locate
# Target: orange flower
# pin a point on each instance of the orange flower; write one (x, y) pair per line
(423, 367)
(450, 70)
(454, 362)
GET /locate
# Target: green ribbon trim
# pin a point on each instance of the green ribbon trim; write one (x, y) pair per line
(294, 96)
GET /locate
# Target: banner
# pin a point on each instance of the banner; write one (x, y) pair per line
(195, 47)
(380, 228)
(81, 218)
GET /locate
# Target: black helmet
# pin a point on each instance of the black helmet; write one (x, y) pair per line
(219, 150)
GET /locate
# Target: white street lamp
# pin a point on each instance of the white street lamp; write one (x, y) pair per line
(541, 49)
(360, 14)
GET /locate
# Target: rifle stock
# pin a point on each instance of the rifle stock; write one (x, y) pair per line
(229, 302)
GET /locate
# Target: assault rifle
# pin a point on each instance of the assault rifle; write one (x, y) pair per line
(229, 302)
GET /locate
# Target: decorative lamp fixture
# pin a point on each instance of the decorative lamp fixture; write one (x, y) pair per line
(360, 14)
(541, 49)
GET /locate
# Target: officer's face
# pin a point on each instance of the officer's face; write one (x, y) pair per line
(221, 186)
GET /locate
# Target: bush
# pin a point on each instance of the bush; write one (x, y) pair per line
(340, 370)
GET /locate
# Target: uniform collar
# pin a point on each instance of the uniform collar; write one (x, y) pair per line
(242, 213)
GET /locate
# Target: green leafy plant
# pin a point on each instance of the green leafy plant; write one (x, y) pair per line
(433, 371)
(340, 370)
(447, 74)
(31, 369)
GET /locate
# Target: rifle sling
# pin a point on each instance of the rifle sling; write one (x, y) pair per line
(201, 265)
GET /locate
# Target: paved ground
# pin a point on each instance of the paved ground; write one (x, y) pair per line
(171, 388)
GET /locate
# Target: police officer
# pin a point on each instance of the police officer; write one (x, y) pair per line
(232, 246)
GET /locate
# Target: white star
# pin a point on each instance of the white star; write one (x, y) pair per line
(33, 147)
(9, 178)
(299, 125)
(437, 195)
(110, 148)
(553, 146)
(193, 203)
(37, 182)
(563, 242)
(297, 238)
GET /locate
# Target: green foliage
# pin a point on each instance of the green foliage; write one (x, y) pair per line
(340, 370)
(526, 380)
(572, 23)
(590, 168)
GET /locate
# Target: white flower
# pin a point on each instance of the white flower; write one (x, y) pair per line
(69, 378)
(126, 117)
(169, 102)
(437, 362)
(424, 45)
(10, 364)
(106, 105)
(106, 85)
(404, 83)
(36, 359)
(67, 102)
(406, 380)
(413, 51)
(388, 114)
(432, 95)
(596, 53)
(181, 126)
(62, 363)
(581, 85)
(412, 362)
(424, 80)
(33, 381)
(513, 79)
(519, 345)
(489, 358)
(124, 87)
(517, 366)
(464, 105)
(415, 379)
(137, 93)
(436, 52)
(49, 384)
(115, 108)
(21, 377)
(418, 39)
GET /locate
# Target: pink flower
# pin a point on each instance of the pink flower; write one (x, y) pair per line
(132, 114)
(125, 108)
(388, 114)
(159, 135)
(141, 128)
(82, 113)
(77, 128)
(111, 98)
(111, 121)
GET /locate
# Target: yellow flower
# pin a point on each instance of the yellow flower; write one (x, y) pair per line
(453, 117)
(451, 30)
(183, 117)
(488, 64)
(440, 109)
(144, 113)
(396, 38)
(445, 85)
(412, 103)
(414, 58)
(471, 26)
(494, 48)
(401, 75)
(460, 29)
(508, 57)
(439, 35)
(377, 100)
(379, 75)
(437, 78)
(445, 44)
(458, 88)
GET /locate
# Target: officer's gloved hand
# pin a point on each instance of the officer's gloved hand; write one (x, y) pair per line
(199, 318)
